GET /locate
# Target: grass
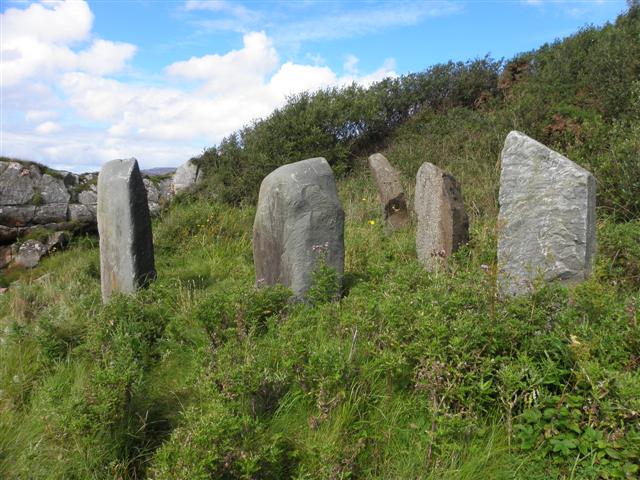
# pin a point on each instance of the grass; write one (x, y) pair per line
(410, 375)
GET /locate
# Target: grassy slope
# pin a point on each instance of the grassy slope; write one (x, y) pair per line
(410, 375)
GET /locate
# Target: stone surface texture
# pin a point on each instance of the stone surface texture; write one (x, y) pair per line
(124, 226)
(299, 220)
(187, 176)
(390, 192)
(30, 253)
(443, 225)
(57, 241)
(546, 225)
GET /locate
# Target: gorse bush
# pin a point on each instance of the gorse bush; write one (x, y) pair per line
(338, 124)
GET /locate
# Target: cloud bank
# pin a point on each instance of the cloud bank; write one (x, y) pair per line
(69, 99)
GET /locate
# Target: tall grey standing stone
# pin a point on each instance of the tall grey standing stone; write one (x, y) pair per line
(124, 226)
(546, 225)
(390, 192)
(443, 225)
(298, 220)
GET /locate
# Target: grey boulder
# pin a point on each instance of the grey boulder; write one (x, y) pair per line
(124, 227)
(546, 224)
(57, 240)
(53, 190)
(88, 197)
(30, 253)
(18, 183)
(443, 225)
(299, 222)
(186, 177)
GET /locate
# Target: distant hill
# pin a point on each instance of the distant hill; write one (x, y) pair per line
(158, 171)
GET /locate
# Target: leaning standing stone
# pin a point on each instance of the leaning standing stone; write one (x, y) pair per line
(124, 226)
(394, 205)
(443, 225)
(546, 225)
(299, 221)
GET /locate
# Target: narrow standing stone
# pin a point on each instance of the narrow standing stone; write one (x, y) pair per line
(443, 225)
(298, 221)
(390, 192)
(546, 225)
(124, 226)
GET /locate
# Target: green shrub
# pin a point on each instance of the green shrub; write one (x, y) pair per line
(216, 443)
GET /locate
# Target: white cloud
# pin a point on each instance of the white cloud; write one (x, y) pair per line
(40, 115)
(237, 17)
(72, 115)
(234, 9)
(48, 128)
(344, 24)
(38, 42)
(237, 69)
(350, 64)
(65, 22)
(104, 57)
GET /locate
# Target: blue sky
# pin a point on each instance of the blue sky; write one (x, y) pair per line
(85, 82)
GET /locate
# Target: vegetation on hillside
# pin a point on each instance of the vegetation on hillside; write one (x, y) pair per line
(580, 96)
(411, 374)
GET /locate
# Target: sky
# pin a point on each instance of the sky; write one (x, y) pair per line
(84, 82)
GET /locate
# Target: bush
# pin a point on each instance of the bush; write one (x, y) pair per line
(338, 124)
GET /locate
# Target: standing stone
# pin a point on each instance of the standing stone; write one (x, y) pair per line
(298, 221)
(124, 226)
(443, 225)
(187, 175)
(546, 225)
(394, 205)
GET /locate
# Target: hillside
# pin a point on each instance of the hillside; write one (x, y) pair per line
(411, 374)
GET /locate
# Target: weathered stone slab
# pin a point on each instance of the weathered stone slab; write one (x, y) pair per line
(546, 225)
(186, 177)
(17, 216)
(17, 183)
(443, 225)
(124, 226)
(153, 196)
(53, 190)
(88, 197)
(298, 221)
(82, 214)
(390, 192)
(50, 213)
(30, 253)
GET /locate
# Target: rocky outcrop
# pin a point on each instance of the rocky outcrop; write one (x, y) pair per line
(34, 197)
(546, 225)
(299, 222)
